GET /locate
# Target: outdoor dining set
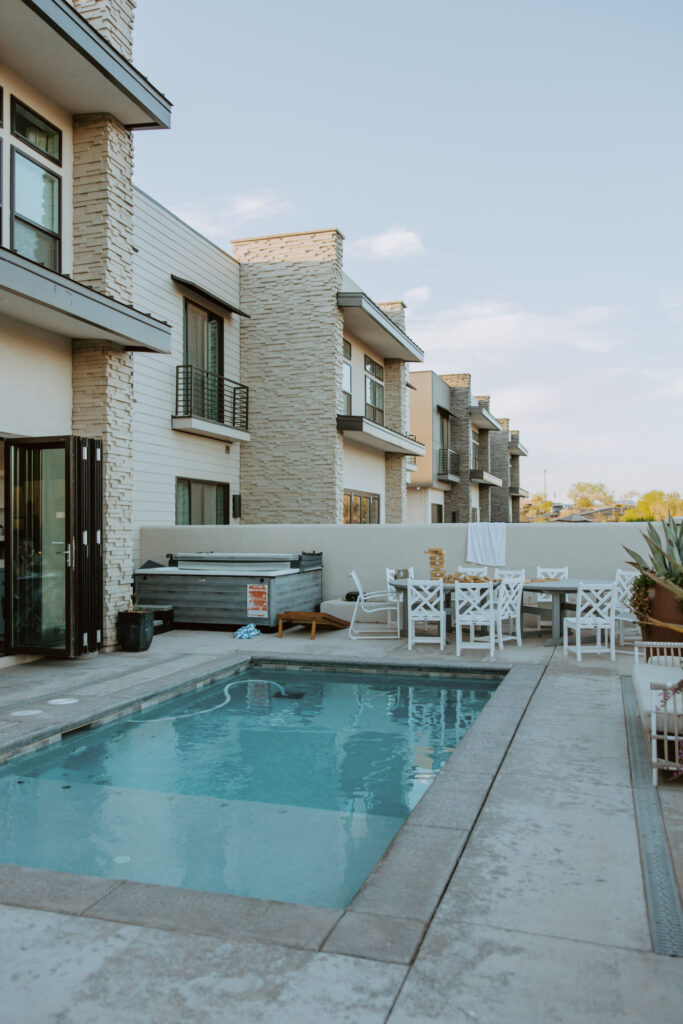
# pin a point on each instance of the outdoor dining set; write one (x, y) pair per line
(484, 608)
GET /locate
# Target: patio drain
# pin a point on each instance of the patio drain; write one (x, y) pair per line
(661, 892)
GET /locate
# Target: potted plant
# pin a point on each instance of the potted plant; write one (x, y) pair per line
(135, 629)
(657, 594)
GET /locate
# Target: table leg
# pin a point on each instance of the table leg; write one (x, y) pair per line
(556, 635)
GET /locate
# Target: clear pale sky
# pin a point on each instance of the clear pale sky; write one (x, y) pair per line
(511, 169)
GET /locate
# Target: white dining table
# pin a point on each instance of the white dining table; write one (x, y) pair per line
(558, 590)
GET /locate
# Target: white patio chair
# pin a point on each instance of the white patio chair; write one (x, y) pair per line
(595, 604)
(474, 570)
(473, 606)
(508, 601)
(373, 603)
(545, 573)
(658, 668)
(623, 613)
(426, 606)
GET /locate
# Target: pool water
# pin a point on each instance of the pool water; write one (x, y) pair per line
(276, 783)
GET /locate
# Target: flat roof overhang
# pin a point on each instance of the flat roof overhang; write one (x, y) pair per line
(518, 492)
(372, 326)
(52, 302)
(60, 53)
(484, 478)
(195, 291)
(365, 432)
(482, 418)
(517, 448)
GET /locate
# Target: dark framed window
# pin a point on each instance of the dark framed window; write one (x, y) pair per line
(361, 507)
(475, 452)
(2, 121)
(1, 165)
(35, 131)
(203, 338)
(36, 218)
(201, 503)
(437, 513)
(346, 379)
(374, 391)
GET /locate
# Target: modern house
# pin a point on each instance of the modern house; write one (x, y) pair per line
(70, 99)
(191, 412)
(326, 369)
(470, 472)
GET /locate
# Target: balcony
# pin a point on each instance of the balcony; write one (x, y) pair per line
(411, 460)
(210, 405)
(484, 478)
(363, 431)
(449, 465)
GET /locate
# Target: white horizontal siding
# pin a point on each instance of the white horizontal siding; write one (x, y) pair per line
(165, 246)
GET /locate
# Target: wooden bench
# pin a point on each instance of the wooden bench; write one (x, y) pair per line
(315, 619)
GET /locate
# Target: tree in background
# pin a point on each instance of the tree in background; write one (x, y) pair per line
(655, 505)
(586, 495)
(536, 508)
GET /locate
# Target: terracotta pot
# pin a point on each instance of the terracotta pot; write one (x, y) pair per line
(665, 608)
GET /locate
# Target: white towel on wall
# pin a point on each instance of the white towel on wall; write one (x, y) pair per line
(486, 543)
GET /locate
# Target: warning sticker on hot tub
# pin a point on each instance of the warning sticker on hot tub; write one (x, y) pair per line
(257, 600)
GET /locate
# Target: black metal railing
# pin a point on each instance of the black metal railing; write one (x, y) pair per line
(211, 397)
(449, 462)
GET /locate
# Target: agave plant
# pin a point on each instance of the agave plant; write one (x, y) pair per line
(666, 563)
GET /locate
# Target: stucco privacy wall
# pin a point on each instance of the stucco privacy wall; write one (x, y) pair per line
(291, 360)
(591, 550)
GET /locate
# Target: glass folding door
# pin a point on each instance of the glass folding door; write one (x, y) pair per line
(53, 559)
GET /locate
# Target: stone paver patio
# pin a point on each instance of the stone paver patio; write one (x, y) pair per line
(513, 893)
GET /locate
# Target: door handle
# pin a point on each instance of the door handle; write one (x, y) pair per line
(67, 556)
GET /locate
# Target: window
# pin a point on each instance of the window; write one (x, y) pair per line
(346, 379)
(361, 507)
(201, 503)
(443, 432)
(1, 109)
(36, 132)
(35, 212)
(437, 513)
(475, 452)
(374, 391)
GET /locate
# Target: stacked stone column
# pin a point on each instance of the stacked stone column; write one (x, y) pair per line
(457, 498)
(101, 373)
(396, 417)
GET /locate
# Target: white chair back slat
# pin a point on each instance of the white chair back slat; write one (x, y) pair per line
(473, 570)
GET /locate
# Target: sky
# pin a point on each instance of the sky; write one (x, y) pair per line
(511, 169)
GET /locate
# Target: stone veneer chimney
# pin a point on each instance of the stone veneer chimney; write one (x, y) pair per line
(102, 375)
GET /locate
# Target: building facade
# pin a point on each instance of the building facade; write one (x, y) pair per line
(470, 471)
(69, 102)
(327, 377)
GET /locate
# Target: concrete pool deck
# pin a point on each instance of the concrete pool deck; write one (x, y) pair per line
(515, 897)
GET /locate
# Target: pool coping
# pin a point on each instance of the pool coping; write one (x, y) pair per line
(386, 919)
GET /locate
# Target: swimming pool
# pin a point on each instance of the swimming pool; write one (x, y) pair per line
(282, 783)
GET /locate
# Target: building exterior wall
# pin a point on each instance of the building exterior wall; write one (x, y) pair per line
(459, 498)
(35, 381)
(13, 84)
(165, 245)
(364, 471)
(396, 417)
(291, 354)
(500, 467)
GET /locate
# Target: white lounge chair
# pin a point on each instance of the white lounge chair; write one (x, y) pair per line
(373, 603)
(658, 666)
